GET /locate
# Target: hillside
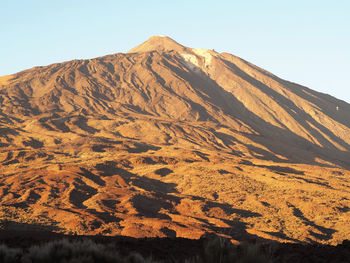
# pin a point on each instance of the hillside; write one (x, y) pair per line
(167, 140)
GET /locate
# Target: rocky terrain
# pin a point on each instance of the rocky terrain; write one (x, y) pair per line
(170, 141)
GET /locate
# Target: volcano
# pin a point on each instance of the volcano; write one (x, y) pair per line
(167, 140)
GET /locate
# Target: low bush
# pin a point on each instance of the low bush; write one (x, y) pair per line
(221, 250)
(65, 251)
(216, 250)
(9, 255)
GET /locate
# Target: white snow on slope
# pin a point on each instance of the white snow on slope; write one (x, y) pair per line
(205, 54)
(191, 61)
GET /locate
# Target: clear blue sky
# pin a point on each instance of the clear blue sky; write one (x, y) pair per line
(304, 41)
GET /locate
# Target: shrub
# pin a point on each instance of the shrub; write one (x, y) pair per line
(9, 255)
(86, 251)
(252, 253)
(216, 250)
(221, 250)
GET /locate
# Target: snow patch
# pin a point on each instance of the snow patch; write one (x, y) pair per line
(205, 54)
(191, 61)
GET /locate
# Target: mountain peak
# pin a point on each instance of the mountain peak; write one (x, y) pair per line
(161, 43)
(132, 144)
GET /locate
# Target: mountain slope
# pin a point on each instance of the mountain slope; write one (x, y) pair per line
(185, 84)
(170, 140)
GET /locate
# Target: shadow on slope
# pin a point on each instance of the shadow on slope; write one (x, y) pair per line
(279, 141)
(326, 103)
(160, 200)
(300, 116)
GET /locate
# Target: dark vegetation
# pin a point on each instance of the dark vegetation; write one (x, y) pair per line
(42, 247)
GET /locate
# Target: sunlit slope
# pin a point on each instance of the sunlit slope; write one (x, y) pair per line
(168, 140)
